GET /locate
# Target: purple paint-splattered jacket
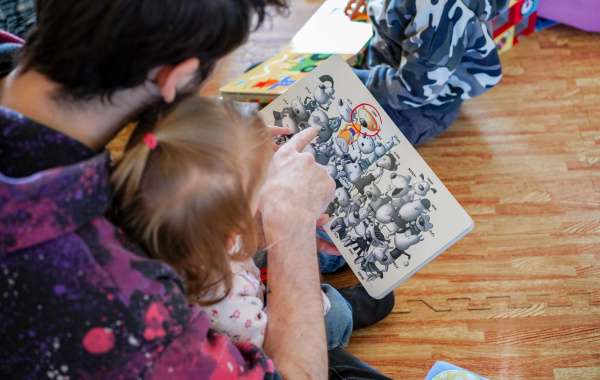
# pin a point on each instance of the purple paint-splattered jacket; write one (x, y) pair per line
(77, 300)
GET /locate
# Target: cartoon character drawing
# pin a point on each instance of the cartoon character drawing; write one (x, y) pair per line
(299, 110)
(371, 150)
(399, 189)
(295, 118)
(343, 201)
(322, 153)
(320, 120)
(383, 148)
(377, 250)
(375, 198)
(364, 120)
(368, 118)
(379, 253)
(350, 224)
(412, 210)
(388, 162)
(422, 188)
(365, 144)
(413, 214)
(403, 241)
(324, 92)
(345, 110)
(352, 172)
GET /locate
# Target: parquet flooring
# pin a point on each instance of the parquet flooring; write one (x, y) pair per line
(519, 298)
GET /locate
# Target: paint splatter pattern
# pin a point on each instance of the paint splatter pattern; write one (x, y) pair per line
(77, 299)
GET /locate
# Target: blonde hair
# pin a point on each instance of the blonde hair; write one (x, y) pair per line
(187, 197)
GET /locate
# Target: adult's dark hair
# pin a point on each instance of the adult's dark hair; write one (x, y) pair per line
(95, 48)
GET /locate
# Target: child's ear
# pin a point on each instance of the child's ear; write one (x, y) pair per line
(234, 244)
(170, 78)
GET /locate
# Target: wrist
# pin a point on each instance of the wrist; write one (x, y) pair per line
(291, 228)
(284, 216)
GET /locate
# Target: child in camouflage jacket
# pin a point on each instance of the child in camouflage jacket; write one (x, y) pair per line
(427, 57)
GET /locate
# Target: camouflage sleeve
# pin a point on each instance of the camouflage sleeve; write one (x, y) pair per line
(17, 16)
(445, 53)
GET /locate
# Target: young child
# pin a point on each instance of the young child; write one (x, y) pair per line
(426, 57)
(189, 192)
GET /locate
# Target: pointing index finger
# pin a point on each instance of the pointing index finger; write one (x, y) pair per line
(302, 139)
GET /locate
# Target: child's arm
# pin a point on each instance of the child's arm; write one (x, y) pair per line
(432, 41)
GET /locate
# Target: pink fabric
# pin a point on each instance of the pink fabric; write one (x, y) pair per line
(6, 37)
(582, 14)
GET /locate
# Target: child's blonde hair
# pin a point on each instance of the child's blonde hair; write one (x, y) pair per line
(188, 196)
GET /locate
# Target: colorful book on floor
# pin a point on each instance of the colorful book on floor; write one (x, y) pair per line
(446, 371)
(392, 214)
(328, 32)
(273, 77)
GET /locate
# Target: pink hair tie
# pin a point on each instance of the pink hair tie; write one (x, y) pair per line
(150, 140)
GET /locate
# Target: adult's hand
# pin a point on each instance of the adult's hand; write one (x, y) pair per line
(296, 192)
(295, 183)
(277, 132)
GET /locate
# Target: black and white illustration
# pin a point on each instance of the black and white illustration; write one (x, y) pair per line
(391, 214)
(380, 219)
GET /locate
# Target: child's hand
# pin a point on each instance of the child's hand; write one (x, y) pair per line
(356, 9)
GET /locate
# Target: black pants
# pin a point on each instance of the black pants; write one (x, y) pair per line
(343, 365)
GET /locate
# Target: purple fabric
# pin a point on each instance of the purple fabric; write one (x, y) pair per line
(77, 298)
(582, 14)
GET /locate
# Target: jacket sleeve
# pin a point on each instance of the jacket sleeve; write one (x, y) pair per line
(193, 350)
(200, 353)
(433, 44)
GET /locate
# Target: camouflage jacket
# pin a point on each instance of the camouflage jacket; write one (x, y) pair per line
(77, 298)
(431, 51)
(17, 16)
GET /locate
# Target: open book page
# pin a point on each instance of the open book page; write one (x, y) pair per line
(392, 214)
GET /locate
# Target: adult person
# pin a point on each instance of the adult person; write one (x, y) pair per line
(79, 299)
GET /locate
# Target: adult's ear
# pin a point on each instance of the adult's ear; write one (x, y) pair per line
(172, 78)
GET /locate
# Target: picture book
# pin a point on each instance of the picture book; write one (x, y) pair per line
(391, 214)
(329, 31)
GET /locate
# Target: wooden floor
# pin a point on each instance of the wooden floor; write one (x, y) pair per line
(519, 298)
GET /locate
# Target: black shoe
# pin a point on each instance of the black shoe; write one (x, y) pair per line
(366, 310)
(344, 365)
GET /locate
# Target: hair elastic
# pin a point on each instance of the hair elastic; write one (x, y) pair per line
(150, 140)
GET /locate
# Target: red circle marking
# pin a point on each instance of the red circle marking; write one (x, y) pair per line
(359, 127)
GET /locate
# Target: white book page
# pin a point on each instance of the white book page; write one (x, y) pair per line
(329, 30)
(392, 214)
